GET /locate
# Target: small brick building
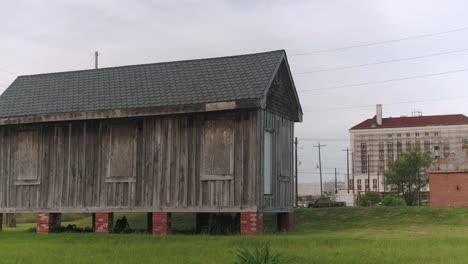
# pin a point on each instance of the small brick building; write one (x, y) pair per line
(201, 136)
(449, 189)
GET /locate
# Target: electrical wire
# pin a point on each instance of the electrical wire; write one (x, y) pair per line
(379, 42)
(82, 63)
(323, 139)
(9, 72)
(316, 172)
(385, 81)
(383, 62)
(394, 103)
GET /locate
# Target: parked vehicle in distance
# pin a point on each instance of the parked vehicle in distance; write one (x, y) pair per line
(325, 202)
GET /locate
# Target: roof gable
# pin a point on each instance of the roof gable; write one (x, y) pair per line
(180, 83)
(413, 121)
(282, 96)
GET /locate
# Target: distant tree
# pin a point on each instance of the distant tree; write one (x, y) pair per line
(369, 199)
(393, 200)
(407, 175)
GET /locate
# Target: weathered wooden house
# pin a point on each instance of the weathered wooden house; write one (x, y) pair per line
(204, 136)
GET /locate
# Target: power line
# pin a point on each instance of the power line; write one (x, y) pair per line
(324, 139)
(327, 169)
(384, 81)
(384, 62)
(323, 173)
(9, 72)
(380, 42)
(315, 163)
(395, 103)
(83, 63)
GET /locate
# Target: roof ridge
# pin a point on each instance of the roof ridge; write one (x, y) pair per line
(154, 63)
(424, 116)
(185, 82)
(413, 121)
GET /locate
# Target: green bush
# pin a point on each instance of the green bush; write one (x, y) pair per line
(258, 256)
(393, 200)
(369, 199)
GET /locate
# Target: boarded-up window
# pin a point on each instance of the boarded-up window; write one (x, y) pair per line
(122, 152)
(267, 162)
(27, 157)
(218, 150)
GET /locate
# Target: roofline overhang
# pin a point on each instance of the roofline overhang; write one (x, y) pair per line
(270, 82)
(133, 112)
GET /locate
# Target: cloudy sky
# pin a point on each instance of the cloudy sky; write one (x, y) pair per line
(47, 36)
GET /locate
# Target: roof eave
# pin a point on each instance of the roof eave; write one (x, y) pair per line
(133, 112)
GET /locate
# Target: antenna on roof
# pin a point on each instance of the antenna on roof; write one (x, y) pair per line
(96, 55)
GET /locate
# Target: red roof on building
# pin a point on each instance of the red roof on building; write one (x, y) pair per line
(413, 121)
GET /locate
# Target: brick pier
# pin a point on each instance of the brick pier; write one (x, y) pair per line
(251, 223)
(161, 224)
(103, 222)
(46, 222)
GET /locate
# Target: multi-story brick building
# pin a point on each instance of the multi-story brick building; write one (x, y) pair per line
(378, 140)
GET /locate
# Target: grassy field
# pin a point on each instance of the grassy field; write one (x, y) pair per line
(335, 235)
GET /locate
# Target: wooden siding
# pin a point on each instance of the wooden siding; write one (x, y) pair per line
(281, 98)
(75, 160)
(281, 197)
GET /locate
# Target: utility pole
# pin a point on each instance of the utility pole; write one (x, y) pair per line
(295, 155)
(352, 169)
(368, 174)
(96, 56)
(320, 166)
(347, 168)
(336, 184)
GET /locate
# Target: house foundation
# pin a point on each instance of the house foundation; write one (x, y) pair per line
(47, 222)
(103, 222)
(251, 223)
(161, 223)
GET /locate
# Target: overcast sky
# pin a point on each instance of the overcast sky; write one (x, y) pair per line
(46, 36)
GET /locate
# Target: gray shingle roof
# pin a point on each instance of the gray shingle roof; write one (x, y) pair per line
(147, 85)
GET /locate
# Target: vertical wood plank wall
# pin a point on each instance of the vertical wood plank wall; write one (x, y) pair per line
(74, 159)
(281, 198)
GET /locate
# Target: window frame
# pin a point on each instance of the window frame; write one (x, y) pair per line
(122, 178)
(268, 190)
(31, 180)
(212, 177)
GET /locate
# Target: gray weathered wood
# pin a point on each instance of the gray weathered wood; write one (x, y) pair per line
(281, 197)
(159, 166)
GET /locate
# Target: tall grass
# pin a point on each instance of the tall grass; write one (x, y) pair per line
(334, 235)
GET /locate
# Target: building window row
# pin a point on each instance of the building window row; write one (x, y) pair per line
(365, 187)
(416, 134)
(464, 143)
(442, 147)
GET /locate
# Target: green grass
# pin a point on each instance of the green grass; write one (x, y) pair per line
(335, 235)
